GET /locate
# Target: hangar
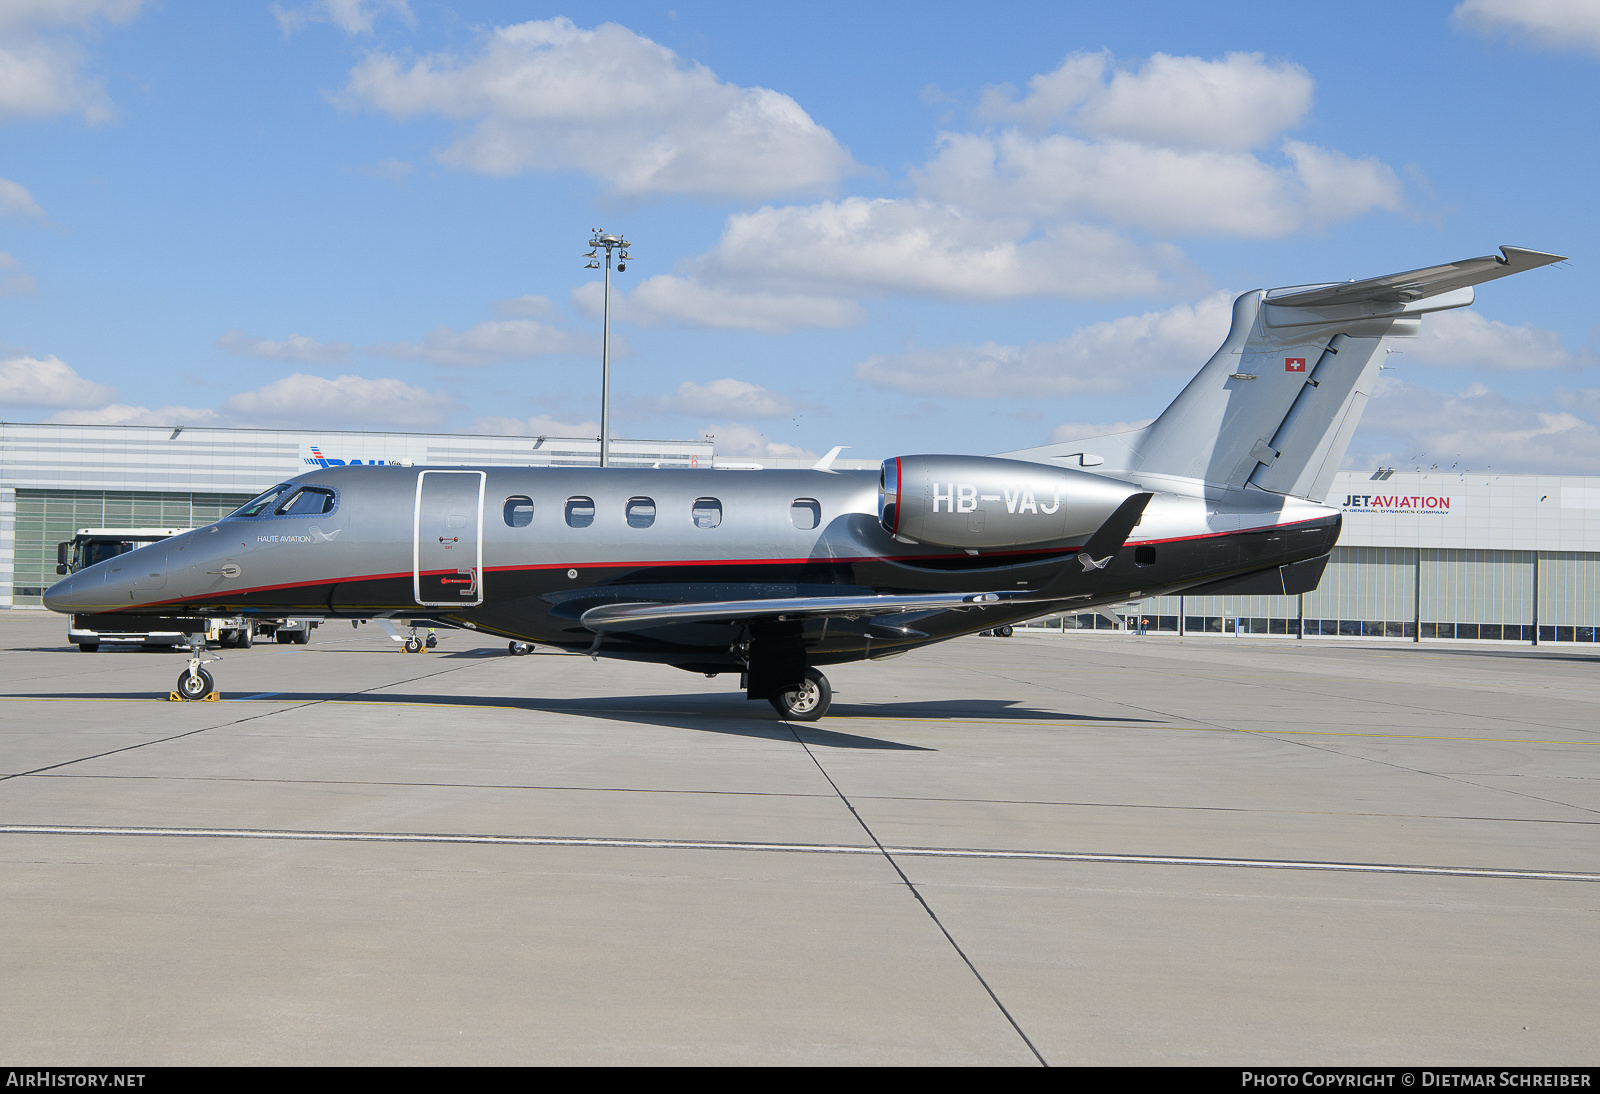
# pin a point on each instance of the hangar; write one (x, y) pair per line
(1424, 555)
(1428, 555)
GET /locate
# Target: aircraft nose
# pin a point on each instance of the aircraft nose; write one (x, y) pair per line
(84, 591)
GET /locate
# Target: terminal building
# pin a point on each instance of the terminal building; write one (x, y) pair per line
(1423, 556)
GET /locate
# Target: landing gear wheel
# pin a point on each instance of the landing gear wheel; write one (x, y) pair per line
(283, 638)
(196, 685)
(518, 649)
(1003, 632)
(300, 638)
(806, 703)
(413, 644)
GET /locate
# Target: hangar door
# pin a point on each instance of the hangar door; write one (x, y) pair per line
(447, 541)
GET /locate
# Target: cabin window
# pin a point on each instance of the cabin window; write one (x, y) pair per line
(308, 501)
(707, 512)
(805, 513)
(262, 504)
(580, 512)
(519, 511)
(641, 512)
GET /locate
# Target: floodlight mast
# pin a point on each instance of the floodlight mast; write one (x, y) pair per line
(620, 245)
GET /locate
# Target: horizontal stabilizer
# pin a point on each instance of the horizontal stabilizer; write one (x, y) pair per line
(1402, 288)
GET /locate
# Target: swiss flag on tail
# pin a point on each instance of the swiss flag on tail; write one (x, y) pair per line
(1294, 364)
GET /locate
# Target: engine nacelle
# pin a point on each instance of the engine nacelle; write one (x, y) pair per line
(974, 502)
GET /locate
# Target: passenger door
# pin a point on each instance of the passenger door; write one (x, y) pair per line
(447, 544)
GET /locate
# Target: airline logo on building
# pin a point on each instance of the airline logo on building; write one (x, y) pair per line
(1425, 504)
(314, 456)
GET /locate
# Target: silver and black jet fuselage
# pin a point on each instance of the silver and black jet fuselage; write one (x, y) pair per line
(773, 573)
(531, 554)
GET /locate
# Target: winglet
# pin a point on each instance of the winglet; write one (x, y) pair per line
(826, 463)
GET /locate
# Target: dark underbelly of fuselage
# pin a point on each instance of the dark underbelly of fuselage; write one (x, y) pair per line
(543, 604)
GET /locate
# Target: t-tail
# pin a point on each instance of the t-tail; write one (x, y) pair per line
(1276, 406)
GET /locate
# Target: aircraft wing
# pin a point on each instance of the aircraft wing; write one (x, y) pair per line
(1093, 556)
(631, 617)
(1402, 288)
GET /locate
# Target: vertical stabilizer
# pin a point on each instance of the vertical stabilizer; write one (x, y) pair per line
(1275, 407)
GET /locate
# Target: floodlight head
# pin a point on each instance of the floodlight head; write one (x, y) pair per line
(592, 266)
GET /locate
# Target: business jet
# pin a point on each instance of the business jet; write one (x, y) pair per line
(776, 574)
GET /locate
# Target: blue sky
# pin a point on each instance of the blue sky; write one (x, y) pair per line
(900, 227)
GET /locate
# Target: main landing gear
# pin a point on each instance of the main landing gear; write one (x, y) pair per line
(806, 703)
(519, 649)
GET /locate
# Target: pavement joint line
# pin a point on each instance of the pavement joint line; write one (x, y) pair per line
(876, 849)
(920, 899)
(575, 789)
(208, 729)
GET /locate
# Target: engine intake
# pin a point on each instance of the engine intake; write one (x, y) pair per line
(974, 502)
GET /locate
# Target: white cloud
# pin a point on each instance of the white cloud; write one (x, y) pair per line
(24, 15)
(1467, 338)
(690, 302)
(1099, 359)
(1238, 102)
(18, 284)
(487, 343)
(526, 307)
(736, 439)
(1079, 431)
(540, 425)
(49, 381)
(350, 16)
(1181, 191)
(1407, 425)
(1553, 24)
(729, 396)
(40, 60)
(296, 347)
(1051, 97)
(15, 201)
(888, 245)
(302, 400)
(546, 95)
(123, 414)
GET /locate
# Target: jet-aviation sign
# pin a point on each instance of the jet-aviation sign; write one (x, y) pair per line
(1424, 504)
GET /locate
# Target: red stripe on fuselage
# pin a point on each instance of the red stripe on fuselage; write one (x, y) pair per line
(652, 563)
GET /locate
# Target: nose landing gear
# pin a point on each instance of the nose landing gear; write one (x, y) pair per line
(195, 683)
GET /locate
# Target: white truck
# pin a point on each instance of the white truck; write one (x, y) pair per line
(89, 632)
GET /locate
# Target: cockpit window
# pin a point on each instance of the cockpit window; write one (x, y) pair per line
(308, 501)
(263, 503)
